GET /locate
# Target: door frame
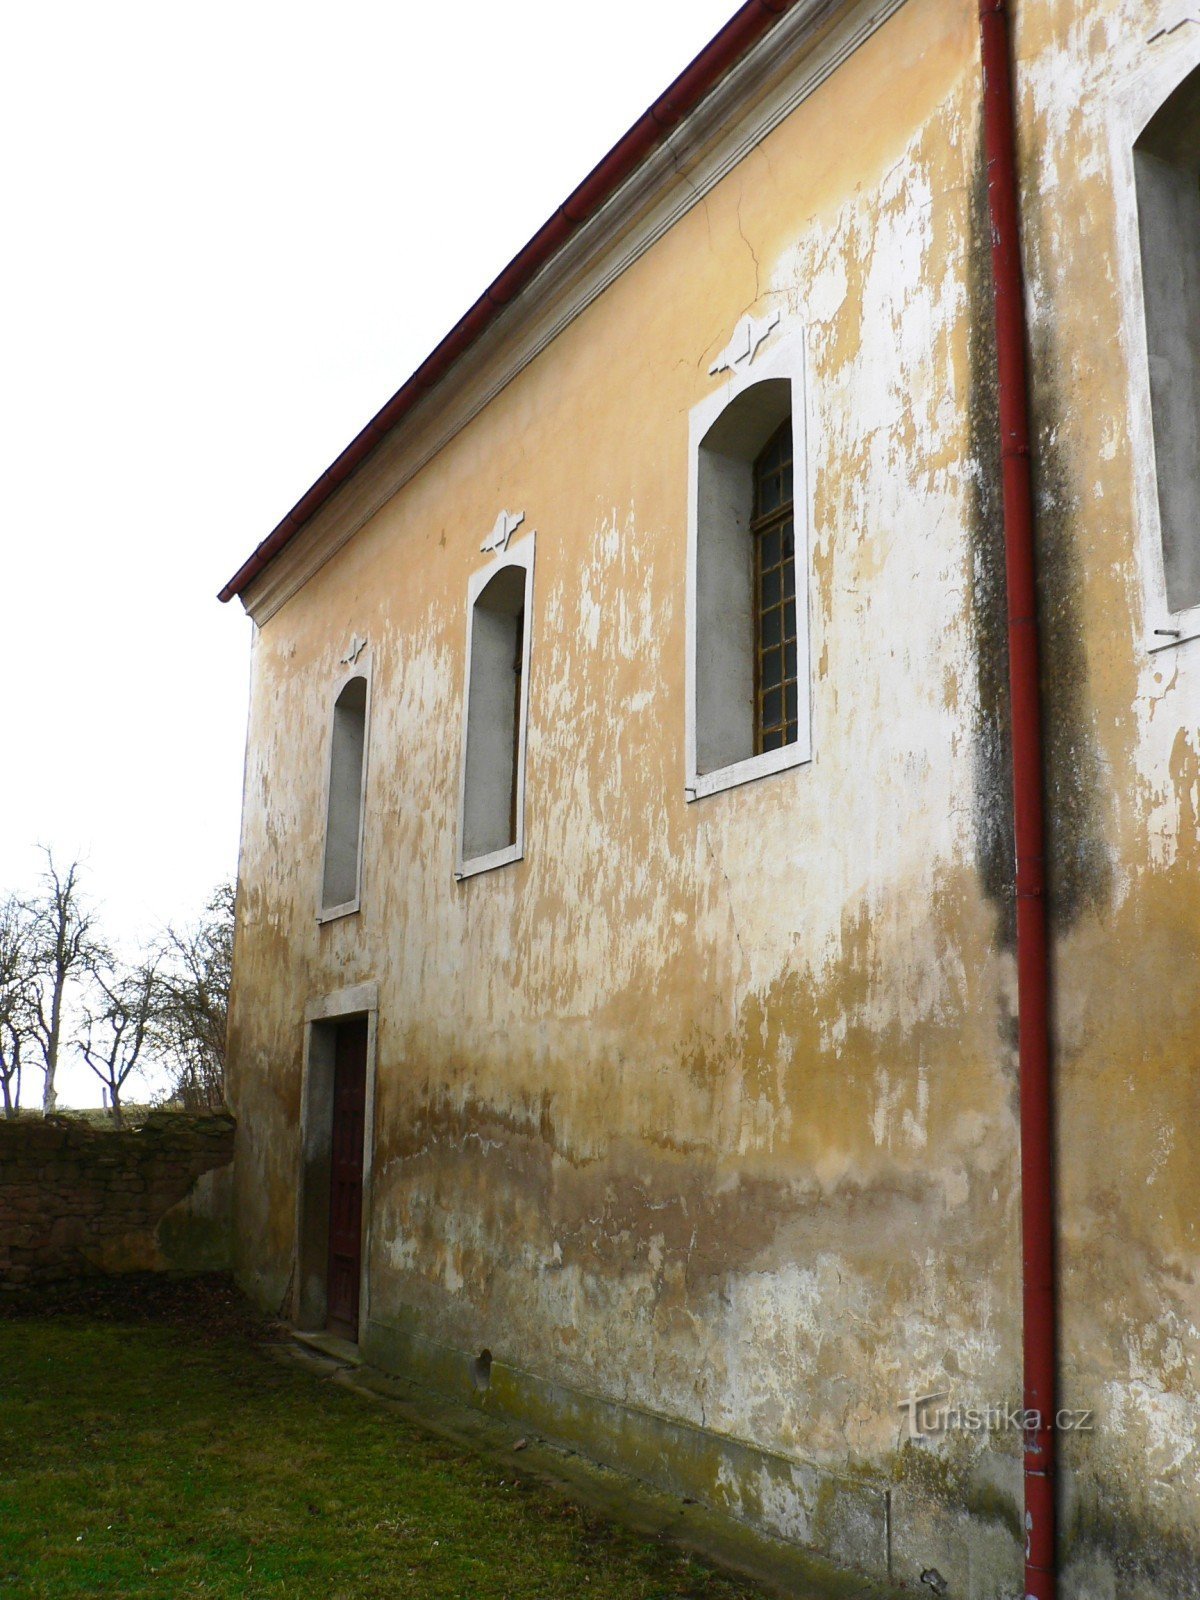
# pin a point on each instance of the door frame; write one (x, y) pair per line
(311, 1259)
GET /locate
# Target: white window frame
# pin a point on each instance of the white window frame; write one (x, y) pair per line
(519, 555)
(1163, 65)
(359, 669)
(783, 356)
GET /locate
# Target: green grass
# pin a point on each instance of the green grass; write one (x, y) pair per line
(138, 1461)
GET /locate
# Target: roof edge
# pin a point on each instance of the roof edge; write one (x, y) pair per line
(744, 29)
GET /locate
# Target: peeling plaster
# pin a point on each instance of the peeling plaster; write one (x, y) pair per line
(710, 1111)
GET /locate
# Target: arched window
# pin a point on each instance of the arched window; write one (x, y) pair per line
(748, 696)
(345, 798)
(491, 816)
(1167, 175)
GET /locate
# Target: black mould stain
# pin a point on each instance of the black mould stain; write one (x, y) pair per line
(1143, 1556)
(993, 773)
(1078, 865)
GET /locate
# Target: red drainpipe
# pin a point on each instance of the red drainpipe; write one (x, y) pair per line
(1039, 1297)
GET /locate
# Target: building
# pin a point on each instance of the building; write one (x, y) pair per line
(624, 1025)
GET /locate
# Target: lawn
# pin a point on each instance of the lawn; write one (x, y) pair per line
(148, 1460)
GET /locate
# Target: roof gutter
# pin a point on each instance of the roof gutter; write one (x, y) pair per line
(1039, 1283)
(653, 127)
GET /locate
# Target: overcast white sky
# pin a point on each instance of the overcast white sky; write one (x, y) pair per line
(231, 232)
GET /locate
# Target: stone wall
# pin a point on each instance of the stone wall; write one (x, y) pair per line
(76, 1200)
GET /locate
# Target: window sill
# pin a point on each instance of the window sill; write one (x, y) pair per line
(332, 913)
(700, 784)
(488, 863)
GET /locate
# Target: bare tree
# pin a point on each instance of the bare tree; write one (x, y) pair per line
(64, 948)
(117, 1015)
(192, 1004)
(17, 987)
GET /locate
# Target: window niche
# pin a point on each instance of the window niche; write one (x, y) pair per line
(1166, 161)
(492, 809)
(345, 798)
(748, 693)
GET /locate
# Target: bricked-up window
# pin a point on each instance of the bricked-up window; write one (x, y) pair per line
(491, 821)
(1167, 173)
(344, 806)
(774, 534)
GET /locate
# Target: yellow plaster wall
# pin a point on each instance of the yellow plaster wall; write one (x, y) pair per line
(710, 1108)
(1124, 787)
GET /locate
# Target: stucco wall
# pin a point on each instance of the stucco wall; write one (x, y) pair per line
(708, 1110)
(1124, 792)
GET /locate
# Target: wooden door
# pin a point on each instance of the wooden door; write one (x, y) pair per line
(345, 1177)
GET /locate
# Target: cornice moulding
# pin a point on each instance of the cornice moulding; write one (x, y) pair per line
(776, 76)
